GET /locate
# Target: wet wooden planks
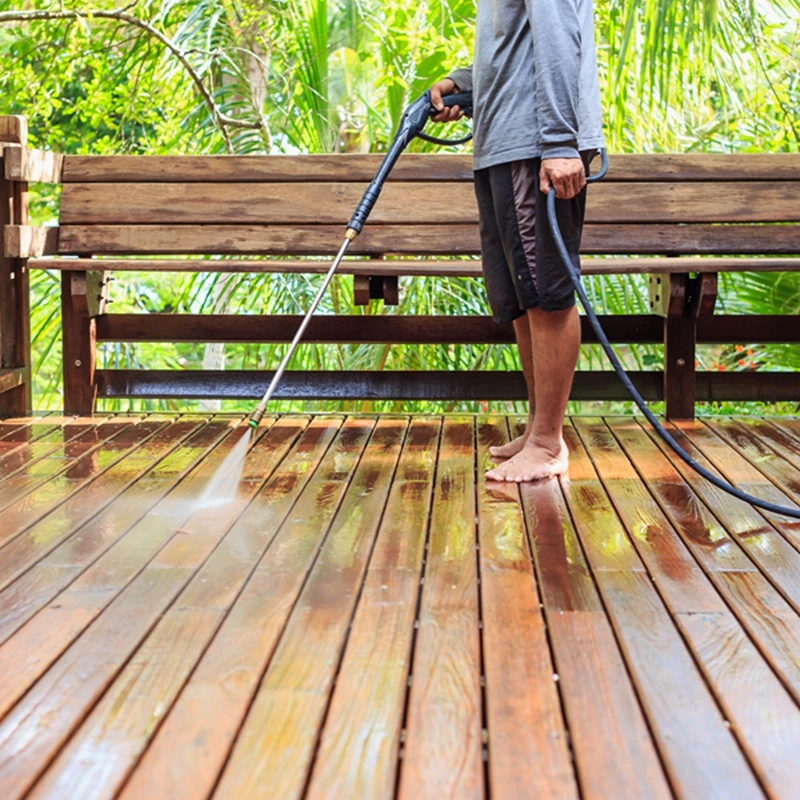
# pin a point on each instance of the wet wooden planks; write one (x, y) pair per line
(367, 616)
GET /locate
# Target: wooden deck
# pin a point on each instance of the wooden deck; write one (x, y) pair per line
(367, 617)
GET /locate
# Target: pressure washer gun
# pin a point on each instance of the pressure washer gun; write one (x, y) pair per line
(414, 119)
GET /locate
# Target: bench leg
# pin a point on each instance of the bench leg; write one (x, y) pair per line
(681, 299)
(82, 299)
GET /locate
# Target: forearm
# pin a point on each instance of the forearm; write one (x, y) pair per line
(462, 78)
(556, 31)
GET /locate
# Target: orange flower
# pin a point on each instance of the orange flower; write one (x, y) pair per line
(742, 362)
(721, 368)
(749, 352)
(752, 365)
(739, 348)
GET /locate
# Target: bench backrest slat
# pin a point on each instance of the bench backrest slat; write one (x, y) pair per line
(432, 167)
(441, 203)
(433, 240)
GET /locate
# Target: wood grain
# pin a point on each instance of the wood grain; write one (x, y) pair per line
(443, 750)
(120, 437)
(192, 747)
(100, 754)
(613, 750)
(515, 643)
(765, 720)
(359, 745)
(34, 166)
(358, 167)
(104, 649)
(445, 267)
(408, 203)
(702, 759)
(419, 240)
(99, 554)
(275, 746)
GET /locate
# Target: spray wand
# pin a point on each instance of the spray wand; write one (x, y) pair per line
(413, 121)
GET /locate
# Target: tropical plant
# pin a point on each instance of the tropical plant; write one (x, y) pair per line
(333, 76)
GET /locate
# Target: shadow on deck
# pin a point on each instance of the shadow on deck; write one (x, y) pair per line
(368, 617)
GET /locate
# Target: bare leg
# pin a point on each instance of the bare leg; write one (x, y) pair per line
(556, 344)
(522, 330)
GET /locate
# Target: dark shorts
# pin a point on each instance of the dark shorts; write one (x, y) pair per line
(521, 265)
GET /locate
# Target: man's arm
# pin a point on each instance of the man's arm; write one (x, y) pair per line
(462, 78)
(557, 55)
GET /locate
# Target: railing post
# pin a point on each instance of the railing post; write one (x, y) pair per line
(15, 326)
(83, 299)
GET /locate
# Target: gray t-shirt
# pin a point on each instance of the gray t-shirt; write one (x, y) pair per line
(534, 81)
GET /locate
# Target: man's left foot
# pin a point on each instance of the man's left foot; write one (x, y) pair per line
(533, 463)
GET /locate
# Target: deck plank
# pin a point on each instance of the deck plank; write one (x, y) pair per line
(360, 742)
(103, 750)
(515, 643)
(699, 753)
(274, 750)
(765, 601)
(735, 467)
(772, 466)
(27, 460)
(369, 617)
(34, 730)
(611, 743)
(148, 447)
(122, 437)
(95, 548)
(443, 748)
(191, 748)
(20, 435)
(729, 659)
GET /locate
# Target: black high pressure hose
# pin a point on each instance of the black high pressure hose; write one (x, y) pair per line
(623, 376)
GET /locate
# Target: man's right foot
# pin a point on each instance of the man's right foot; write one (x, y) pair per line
(510, 449)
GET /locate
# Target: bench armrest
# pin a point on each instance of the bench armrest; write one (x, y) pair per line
(29, 241)
(32, 166)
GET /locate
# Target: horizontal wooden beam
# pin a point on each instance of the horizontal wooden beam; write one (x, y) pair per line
(454, 267)
(433, 385)
(28, 241)
(411, 167)
(32, 166)
(430, 240)
(371, 329)
(408, 329)
(11, 378)
(411, 203)
(357, 385)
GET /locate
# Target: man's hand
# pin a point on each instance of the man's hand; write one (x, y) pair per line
(438, 90)
(568, 175)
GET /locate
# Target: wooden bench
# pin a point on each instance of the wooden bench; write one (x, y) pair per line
(681, 219)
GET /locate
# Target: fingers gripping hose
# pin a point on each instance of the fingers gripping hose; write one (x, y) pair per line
(623, 376)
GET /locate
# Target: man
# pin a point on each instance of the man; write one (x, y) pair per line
(537, 123)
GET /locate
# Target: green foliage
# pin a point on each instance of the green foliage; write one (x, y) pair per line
(334, 76)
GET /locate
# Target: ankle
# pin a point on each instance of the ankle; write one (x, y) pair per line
(552, 444)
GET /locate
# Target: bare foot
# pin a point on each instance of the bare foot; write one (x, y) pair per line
(534, 462)
(511, 448)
